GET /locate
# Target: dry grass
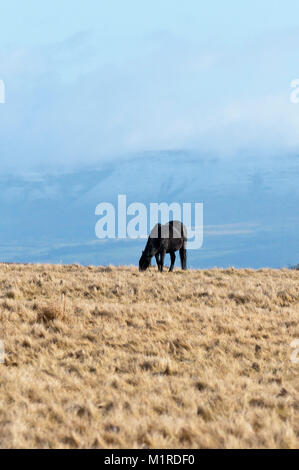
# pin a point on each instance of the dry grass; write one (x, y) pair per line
(109, 357)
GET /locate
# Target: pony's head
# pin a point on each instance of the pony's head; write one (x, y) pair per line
(145, 261)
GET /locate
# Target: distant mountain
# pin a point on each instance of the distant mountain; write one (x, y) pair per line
(250, 209)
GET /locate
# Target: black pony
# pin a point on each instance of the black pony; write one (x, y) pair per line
(164, 239)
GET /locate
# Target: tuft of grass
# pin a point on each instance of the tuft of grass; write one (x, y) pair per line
(52, 311)
(12, 294)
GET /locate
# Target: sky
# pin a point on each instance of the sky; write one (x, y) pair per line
(90, 81)
(162, 101)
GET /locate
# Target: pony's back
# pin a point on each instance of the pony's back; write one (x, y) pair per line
(174, 229)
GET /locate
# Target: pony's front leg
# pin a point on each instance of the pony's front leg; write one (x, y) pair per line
(162, 257)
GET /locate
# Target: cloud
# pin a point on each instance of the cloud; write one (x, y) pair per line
(66, 107)
(231, 229)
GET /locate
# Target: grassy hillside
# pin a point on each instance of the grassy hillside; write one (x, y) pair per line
(110, 357)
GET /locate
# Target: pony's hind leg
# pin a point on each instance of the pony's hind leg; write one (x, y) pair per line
(172, 258)
(183, 256)
(157, 256)
(162, 257)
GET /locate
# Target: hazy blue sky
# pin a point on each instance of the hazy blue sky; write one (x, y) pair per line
(88, 80)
